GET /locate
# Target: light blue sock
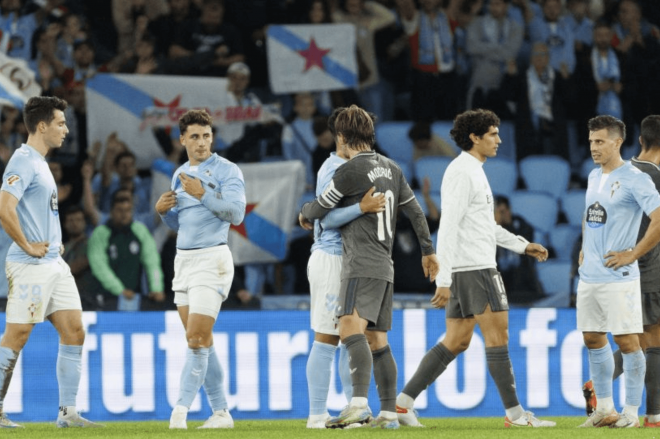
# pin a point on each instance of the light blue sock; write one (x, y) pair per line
(8, 358)
(345, 373)
(634, 370)
(69, 367)
(192, 375)
(601, 364)
(319, 365)
(214, 383)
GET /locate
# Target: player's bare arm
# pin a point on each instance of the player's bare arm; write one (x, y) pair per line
(166, 202)
(441, 297)
(537, 251)
(192, 186)
(9, 220)
(618, 259)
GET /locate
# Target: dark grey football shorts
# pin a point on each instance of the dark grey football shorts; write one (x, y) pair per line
(371, 297)
(651, 308)
(472, 291)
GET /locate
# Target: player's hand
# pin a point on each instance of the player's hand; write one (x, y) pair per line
(431, 266)
(441, 297)
(617, 260)
(371, 203)
(156, 296)
(537, 251)
(304, 222)
(129, 294)
(192, 186)
(166, 202)
(37, 249)
(580, 258)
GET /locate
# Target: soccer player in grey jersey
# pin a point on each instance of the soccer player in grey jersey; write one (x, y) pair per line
(365, 301)
(648, 161)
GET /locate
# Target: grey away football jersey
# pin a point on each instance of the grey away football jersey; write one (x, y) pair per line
(649, 264)
(367, 240)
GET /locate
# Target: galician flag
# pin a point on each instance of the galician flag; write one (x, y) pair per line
(272, 192)
(312, 57)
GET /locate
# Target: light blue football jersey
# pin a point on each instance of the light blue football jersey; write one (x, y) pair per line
(328, 240)
(28, 178)
(613, 214)
(197, 224)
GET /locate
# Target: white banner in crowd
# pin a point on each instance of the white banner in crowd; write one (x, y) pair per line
(272, 191)
(312, 57)
(132, 105)
(17, 82)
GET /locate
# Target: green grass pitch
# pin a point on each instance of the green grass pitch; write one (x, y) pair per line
(450, 428)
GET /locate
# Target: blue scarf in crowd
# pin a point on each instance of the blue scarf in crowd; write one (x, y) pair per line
(607, 69)
(540, 91)
(436, 35)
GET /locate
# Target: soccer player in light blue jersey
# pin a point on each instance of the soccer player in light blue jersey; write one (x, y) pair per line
(40, 282)
(609, 295)
(324, 274)
(207, 196)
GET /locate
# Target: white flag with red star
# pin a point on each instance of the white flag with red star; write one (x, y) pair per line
(312, 57)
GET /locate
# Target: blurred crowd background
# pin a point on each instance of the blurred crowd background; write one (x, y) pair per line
(545, 67)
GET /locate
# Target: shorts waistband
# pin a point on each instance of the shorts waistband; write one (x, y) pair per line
(199, 251)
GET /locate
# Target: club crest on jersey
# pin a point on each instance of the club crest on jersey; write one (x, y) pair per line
(53, 203)
(614, 187)
(11, 180)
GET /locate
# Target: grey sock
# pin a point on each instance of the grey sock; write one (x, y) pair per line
(499, 366)
(385, 376)
(360, 361)
(652, 381)
(432, 365)
(618, 364)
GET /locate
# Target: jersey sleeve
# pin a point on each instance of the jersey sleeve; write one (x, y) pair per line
(229, 205)
(18, 175)
(342, 185)
(645, 193)
(406, 194)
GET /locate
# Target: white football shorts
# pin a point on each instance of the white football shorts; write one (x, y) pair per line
(202, 279)
(324, 274)
(37, 291)
(610, 307)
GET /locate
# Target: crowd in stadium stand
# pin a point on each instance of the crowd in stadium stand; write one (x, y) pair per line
(545, 67)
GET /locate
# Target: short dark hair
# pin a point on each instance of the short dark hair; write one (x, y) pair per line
(123, 155)
(477, 122)
(73, 209)
(420, 131)
(501, 199)
(356, 126)
(119, 196)
(320, 125)
(613, 125)
(80, 43)
(332, 119)
(41, 109)
(650, 132)
(194, 117)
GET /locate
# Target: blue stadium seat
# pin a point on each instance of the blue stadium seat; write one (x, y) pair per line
(546, 173)
(441, 128)
(573, 205)
(407, 170)
(538, 208)
(562, 240)
(392, 138)
(507, 148)
(555, 276)
(420, 198)
(434, 168)
(502, 175)
(588, 165)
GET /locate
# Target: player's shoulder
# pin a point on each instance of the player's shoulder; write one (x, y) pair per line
(331, 164)
(223, 169)
(22, 161)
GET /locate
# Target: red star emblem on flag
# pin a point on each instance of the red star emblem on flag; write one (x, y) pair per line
(313, 55)
(241, 227)
(171, 105)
